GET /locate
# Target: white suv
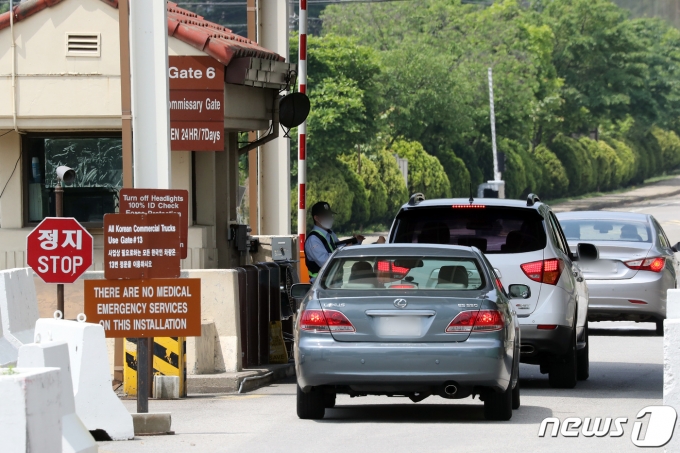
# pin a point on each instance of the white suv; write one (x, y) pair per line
(525, 244)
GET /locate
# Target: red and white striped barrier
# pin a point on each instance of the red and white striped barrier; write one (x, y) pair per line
(302, 129)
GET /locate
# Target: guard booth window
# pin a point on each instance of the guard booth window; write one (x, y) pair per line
(98, 163)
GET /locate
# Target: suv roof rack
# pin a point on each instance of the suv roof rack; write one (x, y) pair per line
(416, 198)
(532, 198)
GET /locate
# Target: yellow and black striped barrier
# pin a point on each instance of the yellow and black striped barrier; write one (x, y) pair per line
(169, 359)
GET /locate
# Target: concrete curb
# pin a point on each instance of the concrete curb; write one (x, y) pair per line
(246, 380)
(151, 424)
(598, 205)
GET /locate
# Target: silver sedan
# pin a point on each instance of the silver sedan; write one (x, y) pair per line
(408, 320)
(636, 265)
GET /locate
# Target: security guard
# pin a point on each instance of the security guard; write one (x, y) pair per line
(321, 242)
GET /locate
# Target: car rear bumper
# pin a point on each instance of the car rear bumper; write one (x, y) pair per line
(536, 343)
(610, 300)
(322, 361)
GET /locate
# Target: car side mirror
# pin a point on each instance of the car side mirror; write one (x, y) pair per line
(676, 248)
(519, 292)
(588, 252)
(300, 290)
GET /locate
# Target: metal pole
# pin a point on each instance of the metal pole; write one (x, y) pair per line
(125, 90)
(496, 175)
(253, 191)
(302, 133)
(59, 208)
(142, 375)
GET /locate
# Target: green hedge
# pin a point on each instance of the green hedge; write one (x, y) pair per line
(425, 172)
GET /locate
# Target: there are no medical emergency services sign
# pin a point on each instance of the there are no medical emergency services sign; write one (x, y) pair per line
(59, 250)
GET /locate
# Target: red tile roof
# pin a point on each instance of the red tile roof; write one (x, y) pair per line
(215, 40)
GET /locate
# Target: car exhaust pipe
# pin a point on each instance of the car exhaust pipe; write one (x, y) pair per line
(526, 349)
(450, 389)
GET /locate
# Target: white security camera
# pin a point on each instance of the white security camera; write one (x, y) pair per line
(66, 174)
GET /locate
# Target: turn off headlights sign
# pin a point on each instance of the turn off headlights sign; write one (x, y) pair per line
(145, 308)
(196, 104)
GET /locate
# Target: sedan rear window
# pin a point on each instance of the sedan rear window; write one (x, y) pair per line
(379, 272)
(492, 229)
(606, 230)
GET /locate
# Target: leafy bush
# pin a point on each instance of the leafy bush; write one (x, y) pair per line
(373, 182)
(458, 174)
(325, 183)
(425, 172)
(555, 180)
(397, 193)
(360, 211)
(576, 160)
(669, 143)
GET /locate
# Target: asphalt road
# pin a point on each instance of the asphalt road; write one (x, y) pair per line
(626, 375)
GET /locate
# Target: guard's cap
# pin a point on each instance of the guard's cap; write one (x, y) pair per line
(322, 208)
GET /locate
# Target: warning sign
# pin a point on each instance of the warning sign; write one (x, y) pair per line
(145, 308)
(159, 201)
(138, 246)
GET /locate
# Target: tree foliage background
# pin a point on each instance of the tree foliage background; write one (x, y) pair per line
(587, 99)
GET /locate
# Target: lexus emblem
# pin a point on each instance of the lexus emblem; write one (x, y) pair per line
(400, 303)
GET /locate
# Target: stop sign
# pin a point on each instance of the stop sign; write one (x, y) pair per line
(59, 249)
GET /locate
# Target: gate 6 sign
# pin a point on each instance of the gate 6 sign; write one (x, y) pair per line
(59, 250)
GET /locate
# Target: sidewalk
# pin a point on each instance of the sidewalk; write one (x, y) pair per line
(660, 189)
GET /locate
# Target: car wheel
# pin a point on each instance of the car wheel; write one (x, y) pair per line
(515, 396)
(310, 406)
(329, 400)
(583, 360)
(659, 328)
(498, 406)
(563, 370)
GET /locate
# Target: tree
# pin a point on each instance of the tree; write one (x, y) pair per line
(373, 182)
(397, 193)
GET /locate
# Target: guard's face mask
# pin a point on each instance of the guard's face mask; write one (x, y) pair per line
(326, 223)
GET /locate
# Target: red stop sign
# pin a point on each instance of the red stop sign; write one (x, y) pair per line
(59, 249)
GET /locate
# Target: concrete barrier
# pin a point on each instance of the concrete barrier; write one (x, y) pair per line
(219, 305)
(96, 404)
(30, 412)
(671, 360)
(75, 436)
(18, 312)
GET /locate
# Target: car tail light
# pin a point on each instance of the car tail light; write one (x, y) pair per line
(476, 321)
(545, 271)
(648, 264)
(468, 206)
(403, 286)
(546, 326)
(327, 321)
(637, 301)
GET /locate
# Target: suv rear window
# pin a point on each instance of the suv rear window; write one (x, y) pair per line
(492, 229)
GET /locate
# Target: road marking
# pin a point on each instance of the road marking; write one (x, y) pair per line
(655, 206)
(238, 397)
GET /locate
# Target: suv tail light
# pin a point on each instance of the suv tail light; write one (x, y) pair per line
(476, 321)
(649, 264)
(327, 321)
(544, 271)
(389, 267)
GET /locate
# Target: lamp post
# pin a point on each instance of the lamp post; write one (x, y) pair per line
(65, 175)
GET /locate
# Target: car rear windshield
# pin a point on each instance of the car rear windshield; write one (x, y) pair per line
(385, 273)
(606, 230)
(492, 229)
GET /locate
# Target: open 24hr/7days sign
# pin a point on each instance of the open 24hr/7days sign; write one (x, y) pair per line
(145, 308)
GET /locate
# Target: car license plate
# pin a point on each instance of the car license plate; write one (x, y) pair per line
(398, 326)
(598, 267)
